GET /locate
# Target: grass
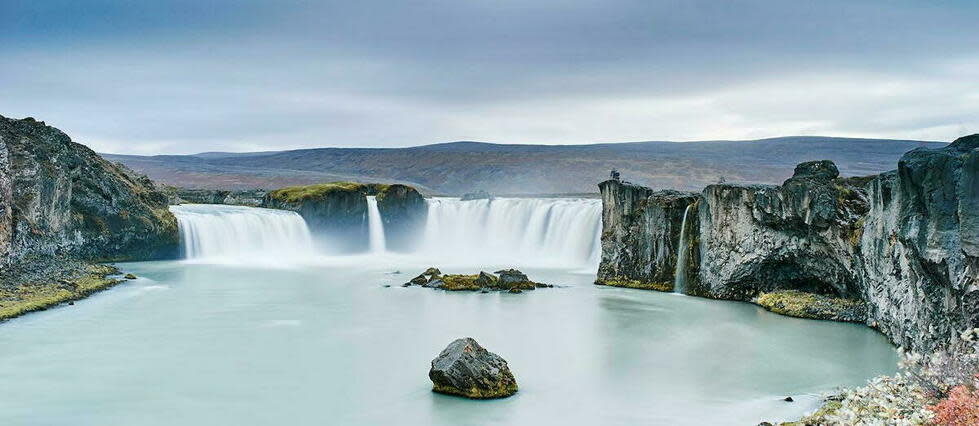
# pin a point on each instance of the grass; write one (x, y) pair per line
(642, 285)
(25, 298)
(813, 306)
(294, 194)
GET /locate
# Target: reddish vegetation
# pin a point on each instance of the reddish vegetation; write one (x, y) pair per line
(960, 408)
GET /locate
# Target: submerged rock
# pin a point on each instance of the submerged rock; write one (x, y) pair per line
(130, 277)
(467, 369)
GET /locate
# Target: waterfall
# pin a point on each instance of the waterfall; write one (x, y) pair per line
(375, 226)
(680, 273)
(558, 232)
(242, 234)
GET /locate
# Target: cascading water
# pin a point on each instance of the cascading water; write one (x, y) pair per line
(557, 232)
(242, 234)
(375, 226)
(680, 273)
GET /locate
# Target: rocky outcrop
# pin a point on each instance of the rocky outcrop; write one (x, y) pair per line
(902, 245)
(336, 212)
(249, 198)
(920, 245)
(797, 236)
(59, 198)
(403, 212)
(467, 369)
(511, 280)
(640, 235)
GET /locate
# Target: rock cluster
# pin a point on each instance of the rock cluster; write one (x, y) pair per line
(467, 369)
(510, 280)
(899, 251)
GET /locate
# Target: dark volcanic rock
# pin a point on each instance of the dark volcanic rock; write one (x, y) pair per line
(250, 198)
(641, 234)
(467, 369)
(59, 198)
(899, 250)
(336, 212)
(403, 212)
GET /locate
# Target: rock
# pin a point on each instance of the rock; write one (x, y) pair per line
(788, 399)
(486, 279)
(899, 251)
(419, 280)
(338, 211)
(514, 279)
(641, 235)
(515, 290)
(406, 285)
(478, 195)
(403, 212)
(436, 283)
(130, 277)
(432, 271)
(60, 198)
(467, 369)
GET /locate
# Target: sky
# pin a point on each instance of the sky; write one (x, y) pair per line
(179, 77)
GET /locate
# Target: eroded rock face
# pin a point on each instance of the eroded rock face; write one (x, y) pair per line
(59, 198)
(403, 212)
(919, 245)
(336, 212)
(640, 234)
(905, 243)
(467, 369)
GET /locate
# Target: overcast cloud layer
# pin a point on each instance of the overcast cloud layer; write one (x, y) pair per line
(193, 76)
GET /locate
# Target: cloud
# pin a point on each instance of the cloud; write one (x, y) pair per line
(135, 77)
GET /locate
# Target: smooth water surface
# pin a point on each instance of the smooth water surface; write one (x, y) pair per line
(204, 344)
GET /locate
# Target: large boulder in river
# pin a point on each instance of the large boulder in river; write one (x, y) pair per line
(467, 369)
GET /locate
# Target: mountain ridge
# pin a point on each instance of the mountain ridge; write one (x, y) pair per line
(463, 166)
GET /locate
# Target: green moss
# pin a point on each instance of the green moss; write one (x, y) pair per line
(318, 191)
(658, 286)
(459, 282)
(19, 300)
(501, 390)
(813, 306)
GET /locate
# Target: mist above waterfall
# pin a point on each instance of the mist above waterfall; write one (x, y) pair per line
(229, 234)
(544, 232)
(556, 232)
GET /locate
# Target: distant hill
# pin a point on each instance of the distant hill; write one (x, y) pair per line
(459, 167)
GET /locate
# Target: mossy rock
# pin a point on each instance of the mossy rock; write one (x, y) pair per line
(25, 298)
(812, 306)
(319, 191)
(641, 285)
(460, 282)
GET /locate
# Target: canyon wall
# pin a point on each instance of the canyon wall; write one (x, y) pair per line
(59, 198)
(904, 242)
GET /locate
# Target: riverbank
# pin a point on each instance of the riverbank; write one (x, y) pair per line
(45, 283)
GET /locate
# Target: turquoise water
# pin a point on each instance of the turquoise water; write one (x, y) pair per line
(199, 344)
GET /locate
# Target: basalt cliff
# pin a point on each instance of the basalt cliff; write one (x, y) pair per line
(903, 245)
(59, 198)
(337, 212)
(62, 208)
